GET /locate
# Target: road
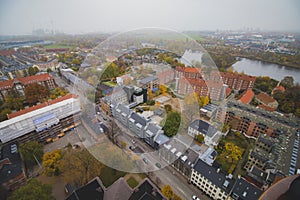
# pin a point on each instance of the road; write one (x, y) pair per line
(167, 174)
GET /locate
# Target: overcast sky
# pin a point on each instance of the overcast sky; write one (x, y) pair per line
(84, 16)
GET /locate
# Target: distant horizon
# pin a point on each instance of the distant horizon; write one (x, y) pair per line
(21, 17)
(247, 30)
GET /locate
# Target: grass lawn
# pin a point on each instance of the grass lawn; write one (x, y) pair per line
(132, 182)
(142, 175)
(110, 84)
(57, 46)
(108, 175)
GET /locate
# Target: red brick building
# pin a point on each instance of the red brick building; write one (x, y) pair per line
(18, 84)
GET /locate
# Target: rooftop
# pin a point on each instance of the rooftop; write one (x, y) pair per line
(244, 190)
(214, 175)
(265, 98)
(247, 97)
(148, 80)
(203, 127)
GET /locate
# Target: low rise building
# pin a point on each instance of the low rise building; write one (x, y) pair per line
(211, 180)
(43, 121)
(267, 101)
(210, 133)
(12, 174)
(18, 85)
(243, 190)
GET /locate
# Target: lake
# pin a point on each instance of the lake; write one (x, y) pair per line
(259, 68)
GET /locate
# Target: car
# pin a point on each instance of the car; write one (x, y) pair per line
(101, 130)
(158, 165)
(195, 197)
(131, 148)
(133, 141)
(145, 160)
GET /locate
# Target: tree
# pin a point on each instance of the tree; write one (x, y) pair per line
(33, 70)
(287, 82)
(123, 145)
(51, 161)
(36, 93)
(34, 189)
(3, 114)
(59, 91)
(200, 138)
(79, 166)
(167, 191)
(168, 108)
(31, 152)
(163, 89)
(172, 124)
(14, 101)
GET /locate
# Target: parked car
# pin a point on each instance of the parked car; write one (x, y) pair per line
(145, 160)
(158, 165)
(195, 197)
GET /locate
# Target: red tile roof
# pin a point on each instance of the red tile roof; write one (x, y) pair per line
(188, 69)
(8, 52)
(39, 106)
(267, 108)
(265, 98)
(25, 80)
(228, 91)
(247, 96)
(280, 87)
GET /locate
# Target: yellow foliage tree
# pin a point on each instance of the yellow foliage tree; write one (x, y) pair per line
(51, 161)
(167, 191)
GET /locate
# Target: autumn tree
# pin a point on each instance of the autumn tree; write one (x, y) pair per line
(34, 189)
(167, 191)
(32, 152)
(79, 166)
(58, 91)
(3, 114)
(163, 89)
(36, 93)
(51, 161)
(200, 138)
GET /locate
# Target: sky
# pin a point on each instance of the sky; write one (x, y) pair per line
(88, 16)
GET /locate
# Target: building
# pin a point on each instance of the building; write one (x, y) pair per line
(255, 121)
(211, 134)
(211, 180)
(149, 83)
(12, 175)
(41, 122)
(18, 85)
(118, 190)
(267, 101)
(143, 128)
(243, 190)
(247, 97)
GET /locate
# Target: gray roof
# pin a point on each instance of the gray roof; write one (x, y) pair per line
(211, 173)
(138, 119)
(265, 140)
(118, 190)
(124, 109)
(153, 128)
(203, 127)
(258, 156)
(148, 79)
(14, 168)
(245, 190)
(258, 174)
(161, 139)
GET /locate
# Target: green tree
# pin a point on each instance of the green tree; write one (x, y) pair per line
(287, 82)
(34, 189)
(172, 123)
(79, 166)
(14, 101)
(33, 70)
(51, 162)
(36, 93)
(31, 151)
(3, 114)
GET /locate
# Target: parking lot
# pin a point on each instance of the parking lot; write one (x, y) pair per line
(69, 137)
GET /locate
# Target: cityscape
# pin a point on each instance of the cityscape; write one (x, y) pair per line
(173, 112)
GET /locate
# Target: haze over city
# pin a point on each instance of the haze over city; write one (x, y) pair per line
(75, 16)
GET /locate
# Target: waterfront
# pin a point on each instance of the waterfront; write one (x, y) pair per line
(259, 68)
